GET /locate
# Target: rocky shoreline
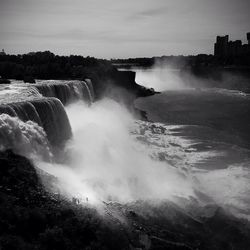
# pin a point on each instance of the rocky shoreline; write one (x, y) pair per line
(32, 218)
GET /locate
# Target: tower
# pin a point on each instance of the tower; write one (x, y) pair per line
(221, 46)
(248, 37)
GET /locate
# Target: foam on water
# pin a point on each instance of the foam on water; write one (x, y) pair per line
(229, 188)
(49, 113)
(111, 157)
(66, 91)
(106, 162)
(164, 145)
(17, 92)
(25, 138)
(34, 102)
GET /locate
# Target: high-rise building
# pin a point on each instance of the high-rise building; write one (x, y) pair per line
(225, 48)
(221, 45)
(234, 48)
(248, 37)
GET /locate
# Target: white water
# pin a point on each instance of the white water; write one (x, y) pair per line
(107, 163)
(112, 157)
(160, 78)
(26, 138)
(67, 91)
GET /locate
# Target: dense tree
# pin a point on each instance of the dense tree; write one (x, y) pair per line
(46, 65)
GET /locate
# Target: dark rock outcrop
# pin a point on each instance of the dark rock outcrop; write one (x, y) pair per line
(31, 218)
(119, 85)
(4, 81)
(29, 79)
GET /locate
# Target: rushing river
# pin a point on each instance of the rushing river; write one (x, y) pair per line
(216, 122)
(194, 148)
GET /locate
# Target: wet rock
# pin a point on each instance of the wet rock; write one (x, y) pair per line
(29, 79)
(4, 81)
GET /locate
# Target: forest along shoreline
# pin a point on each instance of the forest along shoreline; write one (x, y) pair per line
(32, 218)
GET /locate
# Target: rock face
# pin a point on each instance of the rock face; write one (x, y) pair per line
(167, 226)
(120, 86)
(17, 171)
(4, 81)
(29, 79)
(126, 79)
(31, 218)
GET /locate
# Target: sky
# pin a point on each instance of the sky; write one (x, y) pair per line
(120, 29)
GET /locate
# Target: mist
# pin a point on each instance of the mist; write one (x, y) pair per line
(167, 75)
(106, 163)
(160, 78)
(113, 158)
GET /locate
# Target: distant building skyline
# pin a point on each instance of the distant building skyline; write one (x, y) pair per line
(120, 29)
(222, 47)
(225, 48)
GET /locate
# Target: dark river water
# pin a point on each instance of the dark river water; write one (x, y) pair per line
(217, 122)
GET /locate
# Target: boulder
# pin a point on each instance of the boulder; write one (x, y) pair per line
(29, 79)
(4, 81)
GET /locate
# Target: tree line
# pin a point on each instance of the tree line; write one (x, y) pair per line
(46, 65)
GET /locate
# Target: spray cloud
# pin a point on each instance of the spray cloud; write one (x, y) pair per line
(112, 158)
(106, 163)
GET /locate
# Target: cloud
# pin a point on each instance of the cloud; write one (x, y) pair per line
(154, 12)
(162, 26)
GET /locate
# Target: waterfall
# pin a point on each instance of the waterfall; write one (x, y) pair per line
(27, 106)
(60, 91)
(24, 110)
(26, 138)
(90, 89)
(48, 113)
(67, 91)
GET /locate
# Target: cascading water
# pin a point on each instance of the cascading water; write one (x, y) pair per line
(112, 157)
(25, 138)
(90, 89)
(24, 110)
(66, 91)
(98, 166)
(38, 103)
(54, 120)
(47, 113)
